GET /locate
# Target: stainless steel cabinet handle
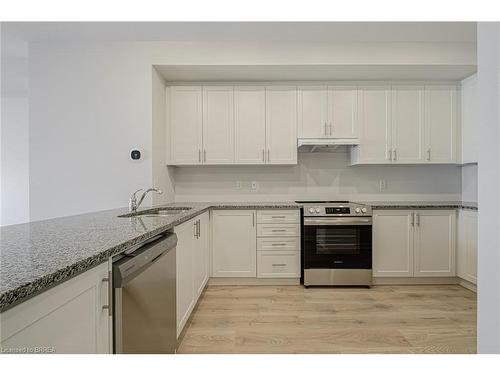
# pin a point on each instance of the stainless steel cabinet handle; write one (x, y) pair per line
(278, 244)
(195, 230)
(279, 264)
(109, 306)
(268, 155)
(330, 126)
(395, 155)
(429, 154)
(205, 155)
(199, 156)
(412, 219)
(253, 218)
(278, 230)
(324, 130)
(278, 217)
(418, 219)
(263, 156)
(389, 154)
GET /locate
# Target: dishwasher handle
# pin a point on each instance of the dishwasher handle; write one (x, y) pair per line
(128, 268)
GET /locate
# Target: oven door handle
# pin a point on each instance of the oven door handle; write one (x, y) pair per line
(338, 221)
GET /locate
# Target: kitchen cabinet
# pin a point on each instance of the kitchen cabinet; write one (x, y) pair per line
(393, 243)
(201, 259)
(374, 116)
(192, 265)
(250, 124)
(186, 130)
(440, 124)
(407, 124)
(467, 246)
(281, 125)
(434, 243)
(218, 125)
(414, 243)
(469, 120)
(72, 317)
(327, 112)
(312, 112)
(233, 243)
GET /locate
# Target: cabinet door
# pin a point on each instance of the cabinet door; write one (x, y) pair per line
(312, 114)
(407, 124)
(186, 124)
(467, 246)
(374, 114)
(342, 112)
(250, 124)
(185, 273)
(218, 125)
(69, 318)
(440, 124)
(234, 243)
(434, 243)
(393, 243)
(281, 125)
(200, 258)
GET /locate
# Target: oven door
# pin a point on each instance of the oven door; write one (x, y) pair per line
(338, 242)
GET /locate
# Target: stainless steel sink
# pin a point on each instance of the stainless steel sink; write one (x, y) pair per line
(159, 212)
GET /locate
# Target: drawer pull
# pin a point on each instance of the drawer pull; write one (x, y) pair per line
(279, 264)
(278, 230)
(278, 244)
(279, 217)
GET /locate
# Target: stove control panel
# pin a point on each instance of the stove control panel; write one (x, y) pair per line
(344, 209)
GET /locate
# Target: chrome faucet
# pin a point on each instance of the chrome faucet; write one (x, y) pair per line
(133, 205)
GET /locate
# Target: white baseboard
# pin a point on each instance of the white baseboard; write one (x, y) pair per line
(468, 285)
(252, 281)
(414, 280)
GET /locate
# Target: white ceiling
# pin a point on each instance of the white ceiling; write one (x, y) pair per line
(254, 73)
(243, 31)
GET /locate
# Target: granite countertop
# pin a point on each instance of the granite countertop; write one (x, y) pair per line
(381, 205)
(38, 255)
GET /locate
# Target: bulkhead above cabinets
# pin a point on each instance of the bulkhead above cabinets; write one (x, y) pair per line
(225, 124)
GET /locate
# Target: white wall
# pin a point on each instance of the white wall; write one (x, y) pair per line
(318, 176)
(489, 188)
(14, 155)
(469, 183)
(91, 103)
(162, 176)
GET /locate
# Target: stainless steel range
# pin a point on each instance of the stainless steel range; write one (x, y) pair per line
(336, 243)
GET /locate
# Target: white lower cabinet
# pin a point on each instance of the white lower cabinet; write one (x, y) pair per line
(275, 264)
(409, 243)
(192, 261)
(72, 317)
(234, 243)
(467, 246)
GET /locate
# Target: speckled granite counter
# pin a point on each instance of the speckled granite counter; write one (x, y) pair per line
(421, 205)
(38, 255)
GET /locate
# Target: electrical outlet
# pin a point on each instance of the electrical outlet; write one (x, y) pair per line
(383, 185)
(254, 185)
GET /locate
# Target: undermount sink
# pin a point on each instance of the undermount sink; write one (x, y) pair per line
(158, 212)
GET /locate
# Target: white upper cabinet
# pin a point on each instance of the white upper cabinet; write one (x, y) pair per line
(469, 120)
(374, 116)
(218, 125)
(435, 243)
(281, 125)
(250, 124)
(440, 124)
(407, 124)
(342, 109)
(312, 112)
(186, 125)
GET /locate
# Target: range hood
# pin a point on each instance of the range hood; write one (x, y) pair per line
(326, 144)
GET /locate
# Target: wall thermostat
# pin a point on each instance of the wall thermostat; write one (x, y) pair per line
(135, 154)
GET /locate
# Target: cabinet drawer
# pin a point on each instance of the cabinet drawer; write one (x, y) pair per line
(278, 216)
(278, 264)
(278, 230)
(280, 243)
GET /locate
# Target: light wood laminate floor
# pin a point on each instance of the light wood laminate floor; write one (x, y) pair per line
(292, 319)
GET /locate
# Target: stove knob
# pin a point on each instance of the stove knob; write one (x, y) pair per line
(311, 210)
(317, 210)
(357, 210)
(363, 210)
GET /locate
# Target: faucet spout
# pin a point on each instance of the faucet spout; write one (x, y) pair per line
(134, 204)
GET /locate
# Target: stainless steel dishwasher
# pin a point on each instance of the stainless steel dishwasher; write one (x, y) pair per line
(145, 297)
